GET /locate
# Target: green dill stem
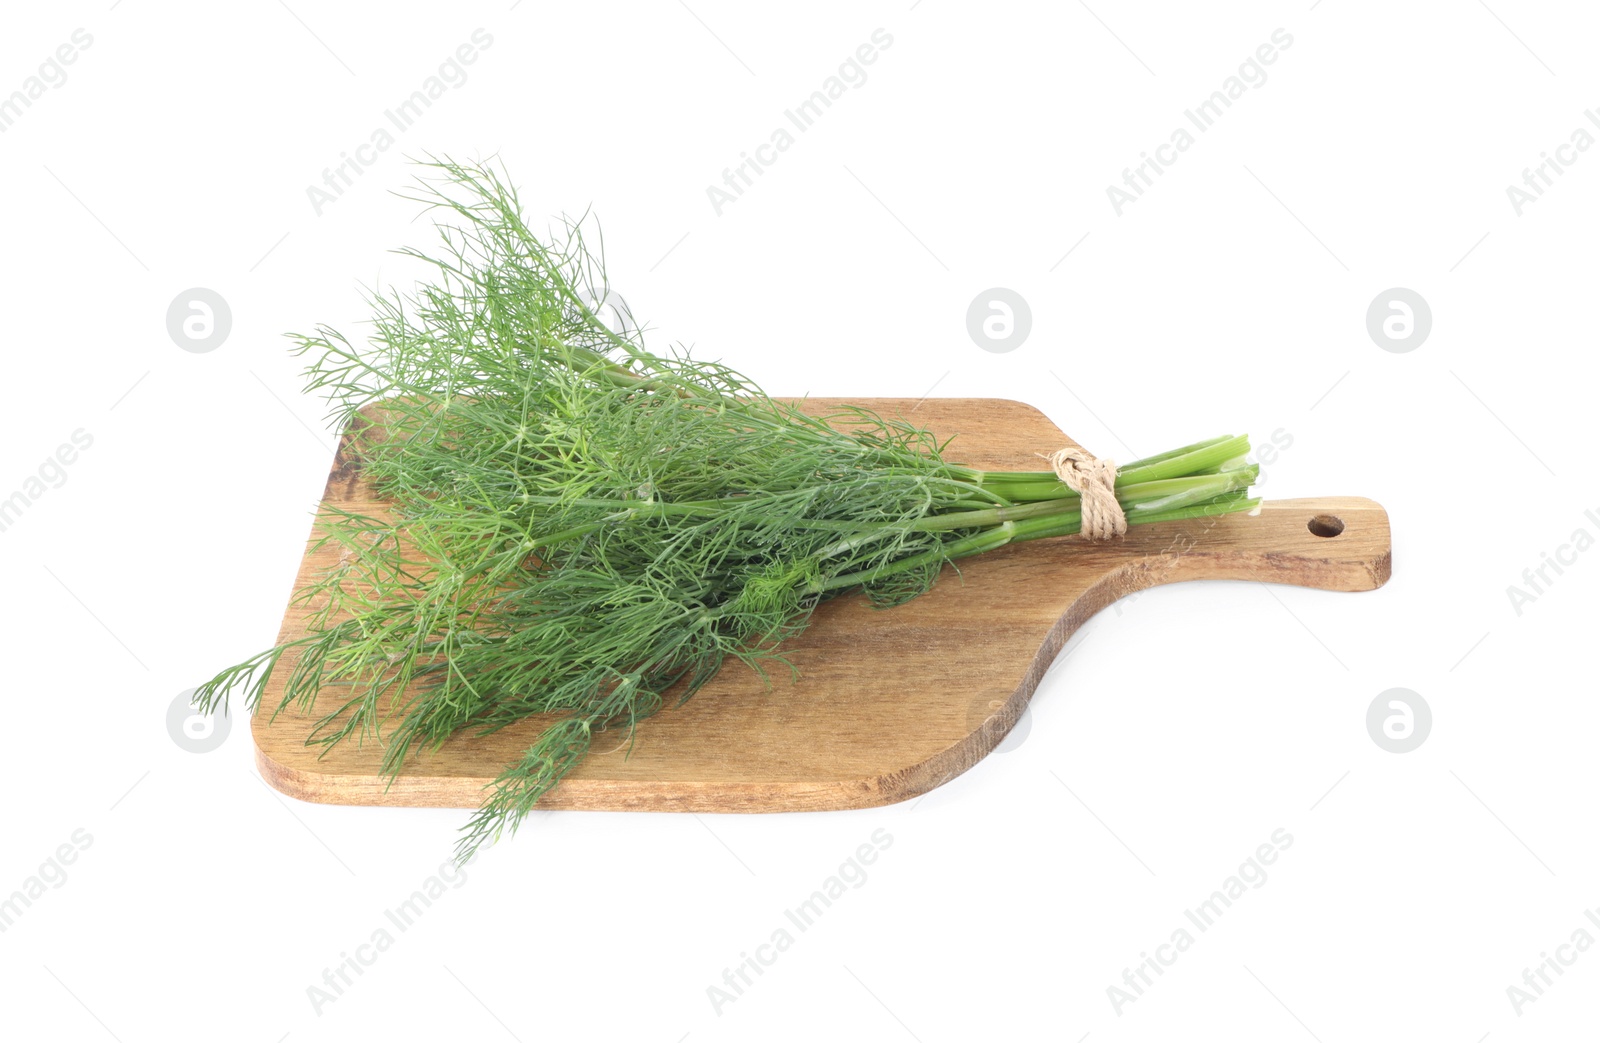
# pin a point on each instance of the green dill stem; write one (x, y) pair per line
(1193, 488)
(1041, 526)
(1131, 465)
(1043, 485)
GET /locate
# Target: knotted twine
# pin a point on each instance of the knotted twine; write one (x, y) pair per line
(1094, 480)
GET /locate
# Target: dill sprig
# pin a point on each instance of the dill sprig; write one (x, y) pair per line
(582, 527)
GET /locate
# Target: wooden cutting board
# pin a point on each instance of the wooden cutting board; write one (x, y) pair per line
(877, 714)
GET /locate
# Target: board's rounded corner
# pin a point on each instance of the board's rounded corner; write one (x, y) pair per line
(1380, 565)
(1382, 569)
(291, 782)
(1027, 407)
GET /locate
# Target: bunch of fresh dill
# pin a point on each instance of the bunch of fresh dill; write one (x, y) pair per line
(580, 526)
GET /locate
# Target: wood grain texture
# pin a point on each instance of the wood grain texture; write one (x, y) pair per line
(877, 715)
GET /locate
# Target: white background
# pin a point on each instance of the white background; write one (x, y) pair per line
(1188, 724)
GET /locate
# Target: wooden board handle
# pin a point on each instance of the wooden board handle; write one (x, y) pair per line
(1328, 542)
(1325, 542)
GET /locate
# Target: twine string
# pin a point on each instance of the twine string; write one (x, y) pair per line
(1094, 480)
